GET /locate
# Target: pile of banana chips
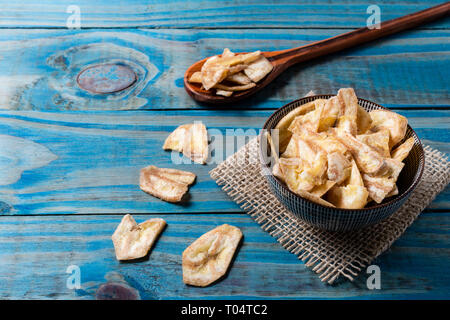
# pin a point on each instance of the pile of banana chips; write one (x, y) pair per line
(337, 154)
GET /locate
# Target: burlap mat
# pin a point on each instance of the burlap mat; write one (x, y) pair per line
(330, 254)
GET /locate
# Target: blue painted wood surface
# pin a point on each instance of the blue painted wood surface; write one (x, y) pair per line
(206, 14)
(95, 158)
(69, 160)
(36, 251)
(39, 67)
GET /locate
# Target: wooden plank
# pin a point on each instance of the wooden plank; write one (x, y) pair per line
(35, 253)
(38, 67)
(88, 162)
(205, 14)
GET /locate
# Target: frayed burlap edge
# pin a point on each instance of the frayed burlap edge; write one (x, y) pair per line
(329, 254)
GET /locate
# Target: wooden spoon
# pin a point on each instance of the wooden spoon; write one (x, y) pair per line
(283, 59)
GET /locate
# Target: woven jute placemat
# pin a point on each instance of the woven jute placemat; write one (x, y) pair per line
(329, 254)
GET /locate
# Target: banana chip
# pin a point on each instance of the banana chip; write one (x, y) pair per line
(284, 134)
(212, 72)
(173, 174)
(208, 258)
(132, 240)
(239, 78)
(393, 192)
(367, 159)
(258, 69)
(378, 187)
(339, 168)
(196, 77)
(391, 169)
(309, 121)
(319, 191)
(355, 176)
(395, 123)
(175, 141)
(276, 171)
(235, 88)
(236, 69)
(197, 147)
(363, 121)
(224, 93)
(324, 141)
(348, 122)
(296, 174)
(379, 141)
(309, 196)
(348, 197)
(332, 110)
(402, 151)
(191, 139)
(227, 53)
(383, 183)
(167, 184)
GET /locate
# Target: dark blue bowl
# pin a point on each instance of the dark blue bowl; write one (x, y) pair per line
(335, 219)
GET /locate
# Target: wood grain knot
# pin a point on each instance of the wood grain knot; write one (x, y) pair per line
(106, 78)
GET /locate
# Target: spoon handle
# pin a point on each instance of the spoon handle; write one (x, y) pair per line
(286, 58)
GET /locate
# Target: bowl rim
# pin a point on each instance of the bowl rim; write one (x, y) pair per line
(417, 178)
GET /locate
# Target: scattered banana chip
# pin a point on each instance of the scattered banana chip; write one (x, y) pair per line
(224, 71)
(132, 240)
(207, 259)
(176, 140)
(167, 184)
(335, 153)
(196, 146)
(191, 139)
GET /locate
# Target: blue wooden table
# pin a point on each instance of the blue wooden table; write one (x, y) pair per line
(70, 160)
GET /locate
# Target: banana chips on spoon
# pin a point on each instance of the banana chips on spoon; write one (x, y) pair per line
(335, 153)
(232, 72)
